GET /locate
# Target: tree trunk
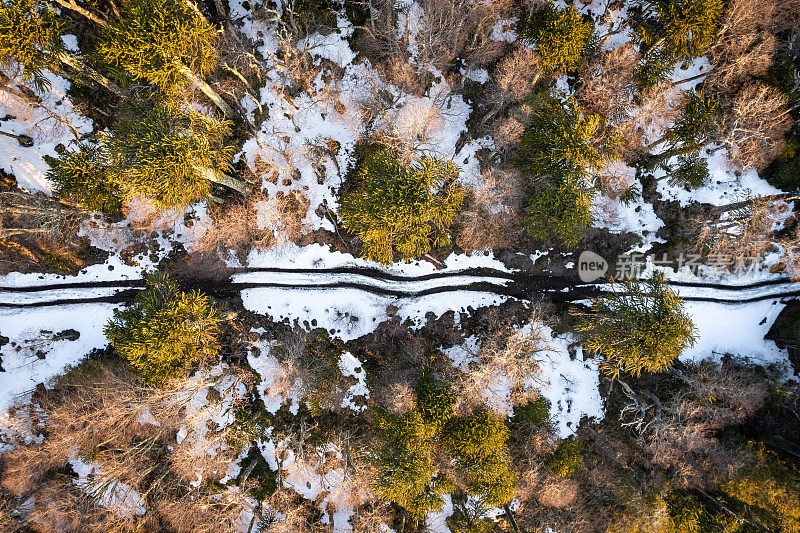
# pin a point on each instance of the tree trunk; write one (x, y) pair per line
(226, 181)
(75, 62)
(212, 95)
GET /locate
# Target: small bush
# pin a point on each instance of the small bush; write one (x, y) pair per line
(536, 412)
(165, 330)
(640, 327)
(560, 35)
(402, 208)
(561, 213)
(567, 460)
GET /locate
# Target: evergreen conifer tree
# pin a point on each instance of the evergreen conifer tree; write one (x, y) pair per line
(564, 143)
(560, 35)
(164, 331)
(165, 154)
(82, 176)
(640, 328)
(30, 34)
(562, 213)
(406, 459)
(683, 28)
(411, 446)
(397, 207)
(165, 43)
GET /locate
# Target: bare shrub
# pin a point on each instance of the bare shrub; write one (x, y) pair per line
(436, 32)
(558, 493)
(608, 85)
(745, 45)
(515, 76)
(753, 129)
(505, 370)
(683, 432)
(490, 213)
(124, 433)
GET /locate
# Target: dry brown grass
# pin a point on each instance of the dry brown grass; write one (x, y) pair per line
(97, 414)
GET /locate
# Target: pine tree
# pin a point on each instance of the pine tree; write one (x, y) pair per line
(405, 456)
(560, 36)
(694, 127)
(30, 34)
(165, 154)
(641, 327)
(690, 172)
(168, 155)
(563, 143)
(164, 331)
(165, 43)
(82, 176)
(562, 213)
(684, 28)
(402, 208)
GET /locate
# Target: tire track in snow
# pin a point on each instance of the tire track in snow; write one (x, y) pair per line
(384, 283)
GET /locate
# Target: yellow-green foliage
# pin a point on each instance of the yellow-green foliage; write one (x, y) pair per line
(30, 35)
(640, 327)
(567, 460)
(561, 36)
(435, 402)
(564, 143)
(402, 208)
(408, 473)
(161, 153)
(164, 331)
(411, 446)
(476, 437)
(562, 213)
(685, 28)
(770, 490)
(82, 176)
(156, 40)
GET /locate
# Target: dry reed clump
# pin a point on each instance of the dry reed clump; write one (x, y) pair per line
(101, 416)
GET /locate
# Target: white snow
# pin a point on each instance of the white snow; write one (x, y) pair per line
(24, 369)
(350, 366)
(27, 164)
(119, 497)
